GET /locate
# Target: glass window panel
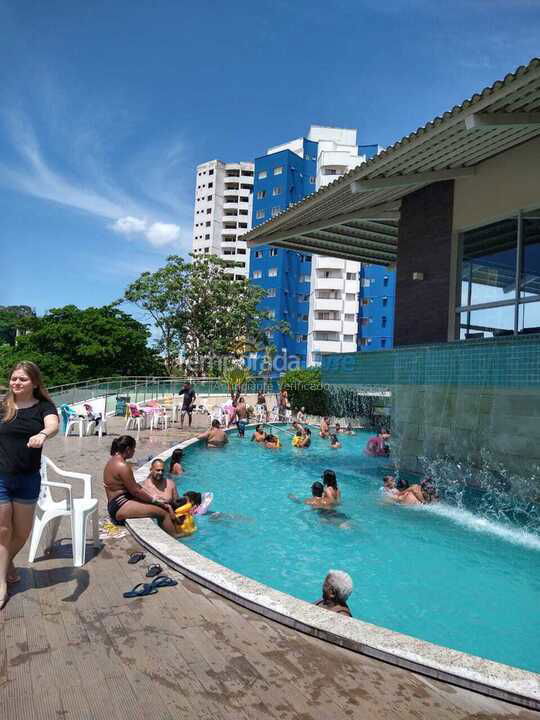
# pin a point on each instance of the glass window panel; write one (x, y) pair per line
(529, 317)
(492, 322)
(489, 263)
(530, 264)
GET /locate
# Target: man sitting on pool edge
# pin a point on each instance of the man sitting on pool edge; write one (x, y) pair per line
(336, 589)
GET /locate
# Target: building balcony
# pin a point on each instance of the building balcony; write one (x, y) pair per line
(329, 283)
(327, 304)
(326, 325)
(329, 263)
(352, 286)
(351, 306)
(325, 346)
(350, 328)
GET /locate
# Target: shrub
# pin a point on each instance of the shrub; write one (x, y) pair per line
(305, 390)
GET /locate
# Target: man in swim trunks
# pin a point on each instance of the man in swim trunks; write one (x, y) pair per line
(259, 434)
(325, 427)
(215, 437)
(316, 498)
(241, 416)
(188, 403)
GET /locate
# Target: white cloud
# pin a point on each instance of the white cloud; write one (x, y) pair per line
(159, 234)
(128, 225)
(149, 216)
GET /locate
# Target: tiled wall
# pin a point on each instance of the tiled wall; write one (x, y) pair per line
(512, 362)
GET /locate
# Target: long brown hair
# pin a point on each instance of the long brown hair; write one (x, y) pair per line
(9, 410)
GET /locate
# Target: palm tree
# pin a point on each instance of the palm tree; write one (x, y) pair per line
(235, 378)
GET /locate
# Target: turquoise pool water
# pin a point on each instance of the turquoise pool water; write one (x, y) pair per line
(442, 573)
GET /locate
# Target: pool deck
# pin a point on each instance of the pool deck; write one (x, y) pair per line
(72, 647)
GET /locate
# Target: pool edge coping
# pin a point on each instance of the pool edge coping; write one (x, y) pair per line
(504, 682)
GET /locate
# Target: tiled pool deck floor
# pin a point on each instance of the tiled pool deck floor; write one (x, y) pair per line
(72, 647)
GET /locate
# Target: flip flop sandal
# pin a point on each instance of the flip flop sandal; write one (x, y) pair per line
(153, 570)
(140, 590)
(163, 581)
(136, 557)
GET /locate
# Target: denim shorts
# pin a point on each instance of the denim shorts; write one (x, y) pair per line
(20, 488)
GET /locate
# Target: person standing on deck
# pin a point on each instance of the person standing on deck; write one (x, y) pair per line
(188, 403)
(28, 418)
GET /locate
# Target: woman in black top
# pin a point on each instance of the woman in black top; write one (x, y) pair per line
(27, 418)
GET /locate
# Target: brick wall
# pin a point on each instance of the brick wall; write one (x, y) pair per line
(424, 245)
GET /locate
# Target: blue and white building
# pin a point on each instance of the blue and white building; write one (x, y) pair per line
(377, 302)
(317, 296)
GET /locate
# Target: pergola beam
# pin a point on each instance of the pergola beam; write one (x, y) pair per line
(327, 246)
(329, 252)
(388, 211)
(420, 178)
(474, 121)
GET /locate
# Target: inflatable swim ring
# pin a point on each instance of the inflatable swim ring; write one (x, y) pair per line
(188, 526)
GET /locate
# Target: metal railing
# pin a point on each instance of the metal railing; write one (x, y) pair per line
(142, 388)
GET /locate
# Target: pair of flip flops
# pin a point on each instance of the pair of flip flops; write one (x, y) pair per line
(152, 571)
(144, 589)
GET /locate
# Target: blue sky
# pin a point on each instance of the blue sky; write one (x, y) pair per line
(108, 106)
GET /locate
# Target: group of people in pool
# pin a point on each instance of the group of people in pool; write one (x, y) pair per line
(422, 493)
(157, 497)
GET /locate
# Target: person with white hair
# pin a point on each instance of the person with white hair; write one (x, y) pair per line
(337, 587)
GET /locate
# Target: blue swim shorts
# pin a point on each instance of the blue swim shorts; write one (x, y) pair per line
(20, 488)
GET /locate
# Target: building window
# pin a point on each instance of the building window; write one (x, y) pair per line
(207, 237)
(498, 295)
(271, 293)
(278, 170)
(209, 197)
(263, 174)
(209, 211)
(312, 180)
(304, 278)
(259, 214)
(272, 272)
(385, 281)
(271, 314)
(383, 342)
(383, 321)
(206, 250)
(210, 172)
(351, 276)
(348, 338)
(385, 301)
(350, 296)
(349, 317)
(275, 211)
(273, 252)
(366, 282)
(277, 190)
(261, 194)
(257, 274)
(258, 253)
(210, 185)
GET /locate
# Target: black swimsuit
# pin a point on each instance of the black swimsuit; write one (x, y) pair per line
(114, 505)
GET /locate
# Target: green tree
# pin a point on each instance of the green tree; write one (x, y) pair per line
(70, 344)
(204, 315)
(10, 319)
(162, 295)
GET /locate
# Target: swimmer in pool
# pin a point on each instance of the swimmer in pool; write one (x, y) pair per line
(259, 434)
(316, 499)
(334, 442)
(332, 494)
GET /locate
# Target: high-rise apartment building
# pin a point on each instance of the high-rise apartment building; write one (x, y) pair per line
(223, 209)
(377, 301)
(317, 297)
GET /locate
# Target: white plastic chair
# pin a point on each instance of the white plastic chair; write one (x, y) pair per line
(159, 417)
(96, 407)
(78, 509)
(135, 418)
(75, 421)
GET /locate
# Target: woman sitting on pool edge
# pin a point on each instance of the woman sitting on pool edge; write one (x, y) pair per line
(126, 498)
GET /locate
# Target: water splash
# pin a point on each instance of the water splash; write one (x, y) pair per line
(477, 523)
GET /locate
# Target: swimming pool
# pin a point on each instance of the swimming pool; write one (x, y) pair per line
(443, 573)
